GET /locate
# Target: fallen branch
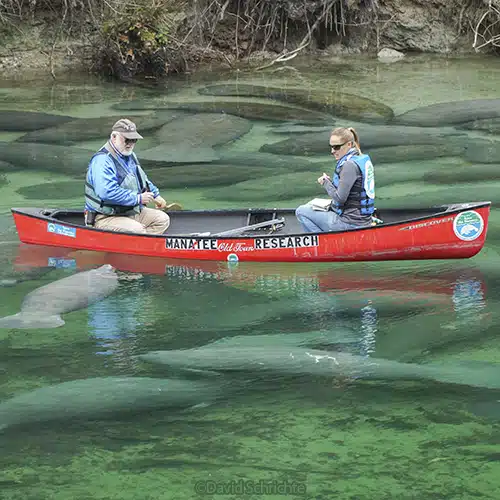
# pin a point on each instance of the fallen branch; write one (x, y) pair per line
(283, 57)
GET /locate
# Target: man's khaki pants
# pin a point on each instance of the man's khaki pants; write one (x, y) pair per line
(150, 221)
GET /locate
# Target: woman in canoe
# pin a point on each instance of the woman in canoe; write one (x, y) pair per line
(352, 189)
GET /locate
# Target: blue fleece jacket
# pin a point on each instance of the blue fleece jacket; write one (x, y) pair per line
(103, 177)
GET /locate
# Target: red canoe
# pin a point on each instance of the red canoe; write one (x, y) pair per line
(447, 232)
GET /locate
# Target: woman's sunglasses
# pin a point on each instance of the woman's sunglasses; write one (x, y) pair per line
(336, 147)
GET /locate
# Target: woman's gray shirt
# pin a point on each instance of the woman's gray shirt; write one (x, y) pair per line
(350, 178)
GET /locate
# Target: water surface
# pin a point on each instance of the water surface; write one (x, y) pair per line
(332, 437)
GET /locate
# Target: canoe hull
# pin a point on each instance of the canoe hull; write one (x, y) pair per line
(433, 237)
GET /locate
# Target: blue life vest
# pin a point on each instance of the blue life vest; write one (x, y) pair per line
(126, 180)
(364, 199)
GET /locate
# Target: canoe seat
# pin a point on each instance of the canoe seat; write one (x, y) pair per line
(273, 224)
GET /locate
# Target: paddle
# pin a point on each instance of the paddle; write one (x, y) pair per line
(173, 206)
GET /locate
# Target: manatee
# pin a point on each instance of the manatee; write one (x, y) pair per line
(42, 308)
(488, 125)
(401, 195)
(467, 229)
(339, 104)
(417, 152)
(256, 159)
(290, 185)
(140, 105)
(51, 157)
(450, 113)
(6, 167)
(482, 151)
(102, 398)
(228, 169)
(293, 129)
(203, 129)
(376, 136)
(456, 174)
(86, 129)
(303, 361)
(165, 155)
(24, 121)
(490, 410)
(202, 175)
(253, 110)
(26, 275)
(298, 339)
(278, 187)
(61, 190)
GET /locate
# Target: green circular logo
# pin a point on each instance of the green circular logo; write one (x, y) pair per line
(468, 225)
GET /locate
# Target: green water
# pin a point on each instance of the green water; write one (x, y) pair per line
(313, 437)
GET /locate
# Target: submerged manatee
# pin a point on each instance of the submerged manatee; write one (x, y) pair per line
(42, 308)
(61, 190)
(254, 110)
(54, 158)
(488, 125)
(201, 175)
(24, 121)
(86, 129)
(340, 335)
(303, 361)
(450, 113)
(339, 104)
(203, 129)
(482, 151)
(376, 136)
(190, 139)
(6, 167)
(399, 195)
(455, 174)
(103, 397)
(418, 152)
(27, 275)
(277, 186)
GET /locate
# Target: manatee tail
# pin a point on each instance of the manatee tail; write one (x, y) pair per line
(28, 321)
(471, 373)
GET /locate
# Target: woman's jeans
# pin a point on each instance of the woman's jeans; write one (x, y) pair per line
(317, 221)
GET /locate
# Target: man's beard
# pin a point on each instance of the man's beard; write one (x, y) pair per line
(127, 152)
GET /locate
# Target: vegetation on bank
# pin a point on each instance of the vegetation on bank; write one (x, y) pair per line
(153, 38)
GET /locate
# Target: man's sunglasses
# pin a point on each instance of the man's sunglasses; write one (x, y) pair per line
(336, 147)
(130, 141)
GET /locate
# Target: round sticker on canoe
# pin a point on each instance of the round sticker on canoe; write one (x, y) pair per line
(468, 225)
(232, 257)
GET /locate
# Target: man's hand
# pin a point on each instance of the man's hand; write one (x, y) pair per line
(160, 202)
(147, 197)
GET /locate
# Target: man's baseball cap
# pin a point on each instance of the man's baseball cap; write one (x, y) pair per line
(127, 128)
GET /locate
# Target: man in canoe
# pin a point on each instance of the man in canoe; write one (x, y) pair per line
(117, 190)
(352, 189)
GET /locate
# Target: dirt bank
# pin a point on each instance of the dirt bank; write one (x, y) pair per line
(44, 44)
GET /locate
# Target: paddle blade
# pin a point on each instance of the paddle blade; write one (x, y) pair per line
(173, 206)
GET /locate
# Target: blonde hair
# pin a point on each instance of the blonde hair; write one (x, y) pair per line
(347, 135)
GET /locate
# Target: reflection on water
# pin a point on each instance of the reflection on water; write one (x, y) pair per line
(368, 329)
(435, 440)
(468, 298)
